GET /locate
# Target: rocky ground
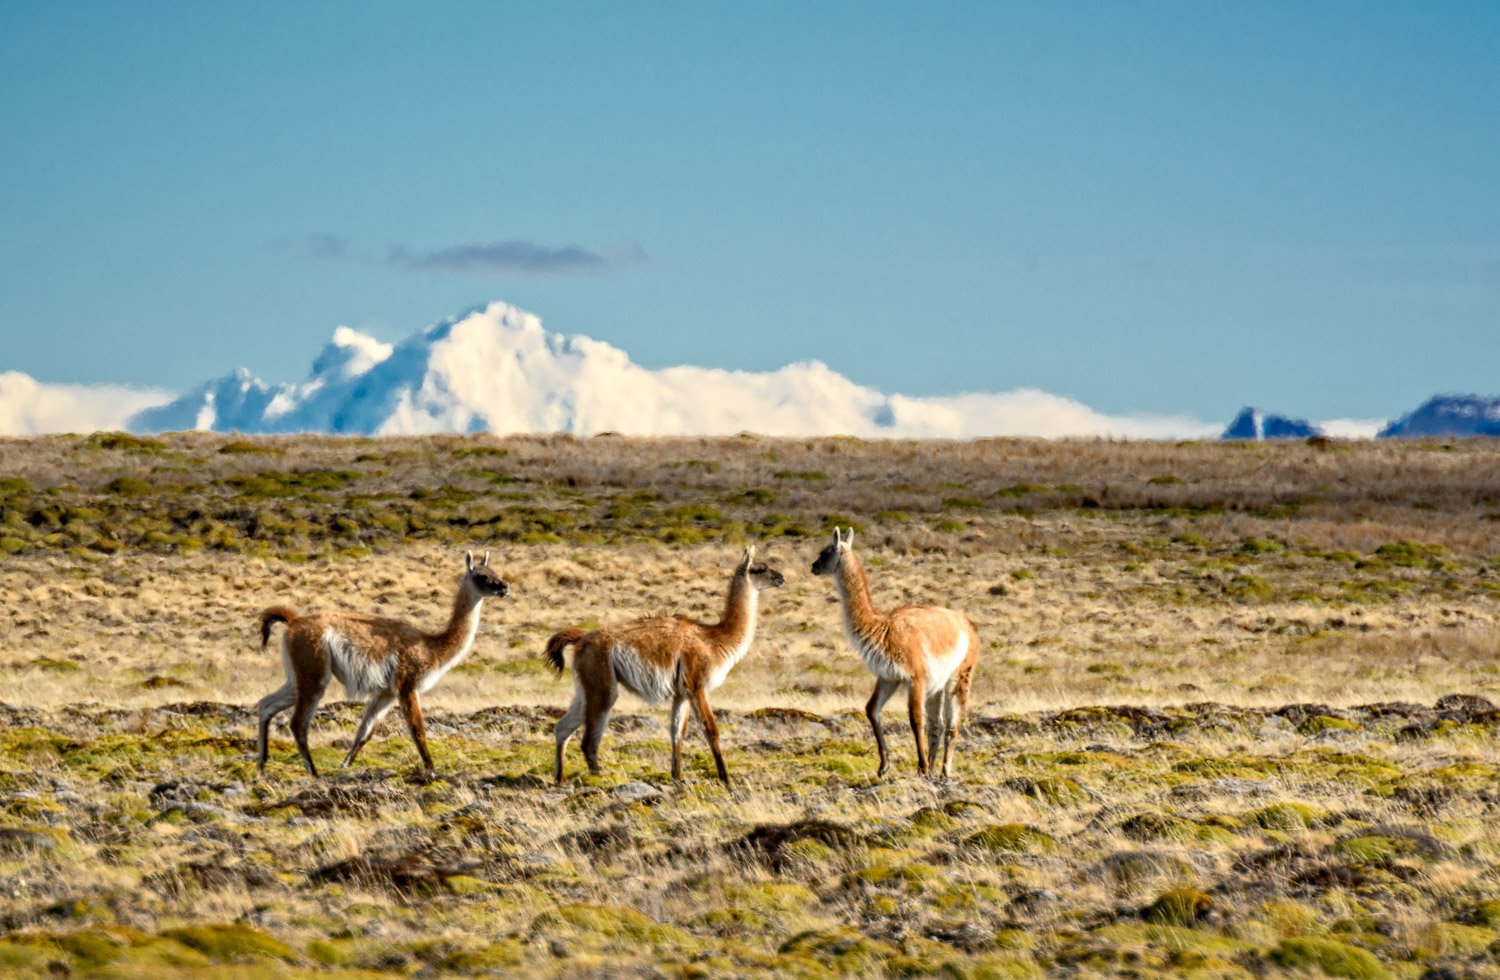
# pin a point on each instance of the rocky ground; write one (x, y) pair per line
(1204, 840)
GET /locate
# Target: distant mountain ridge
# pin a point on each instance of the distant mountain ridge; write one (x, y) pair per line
(1443, 416)
(1440, 417)
(496, 368)
(1252, 423)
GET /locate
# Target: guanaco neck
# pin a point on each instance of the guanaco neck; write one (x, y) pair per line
(736, 629)
(456, 638)
(860, 615)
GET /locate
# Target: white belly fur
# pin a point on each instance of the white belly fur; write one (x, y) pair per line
(361, 676)
(942, 667)
(638, 677)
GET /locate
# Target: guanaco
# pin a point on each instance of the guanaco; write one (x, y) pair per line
(929, 650)
(379, 660)
(657, 658)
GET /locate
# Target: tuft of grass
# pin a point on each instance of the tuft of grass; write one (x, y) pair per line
(279, 484)
(1021, 490)
(1179, 907)
(124, 442)
(1411, 554)
(240, 447)
(127, 486)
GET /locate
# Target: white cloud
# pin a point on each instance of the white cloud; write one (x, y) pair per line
(1029, 412)
(1352, 428)
(30, 407)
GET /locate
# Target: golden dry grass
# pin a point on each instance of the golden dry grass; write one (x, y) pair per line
(1217, 691)
(147, 629)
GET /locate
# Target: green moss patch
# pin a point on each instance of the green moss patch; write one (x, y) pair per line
(234, 943)
(1013, 837)
(1331, 958)
(1374, 847)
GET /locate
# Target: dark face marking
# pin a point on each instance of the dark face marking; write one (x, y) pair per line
(488, 581)
(827, 560)
(766, 577)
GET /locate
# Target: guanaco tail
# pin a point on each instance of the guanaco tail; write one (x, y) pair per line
(381, 661)
(659, 658)
(929, 650)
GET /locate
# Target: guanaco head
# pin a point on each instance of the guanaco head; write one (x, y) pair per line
(761, 575)
(483, 579)
(828, 559)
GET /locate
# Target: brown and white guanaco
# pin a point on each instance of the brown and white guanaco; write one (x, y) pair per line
(657, 658)
(381, 661)
(929, 650)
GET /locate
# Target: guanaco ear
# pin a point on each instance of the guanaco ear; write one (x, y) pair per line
(486, 562)
(849, 538)
(468, 561)
(749, 557)
(836, 539)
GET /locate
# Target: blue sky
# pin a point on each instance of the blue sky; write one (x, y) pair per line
(1151, 207)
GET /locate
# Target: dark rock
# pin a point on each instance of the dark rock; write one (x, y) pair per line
(1298, 713)
(1398, 709)
(354, 799)
(511, 780)
(13, 839)
(968, 936)
(1443, 971)
(1273, 860)
(637, 792)
(770, 840)
(415, 872)
(597, 839)
(1464, 704)
(1033, 899)
(1425, 801)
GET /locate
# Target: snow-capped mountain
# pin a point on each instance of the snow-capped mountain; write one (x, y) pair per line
(240, 401)
(496, 368)
(1252, 423)
(1442, 416)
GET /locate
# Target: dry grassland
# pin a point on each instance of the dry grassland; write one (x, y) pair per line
(1233, 715)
